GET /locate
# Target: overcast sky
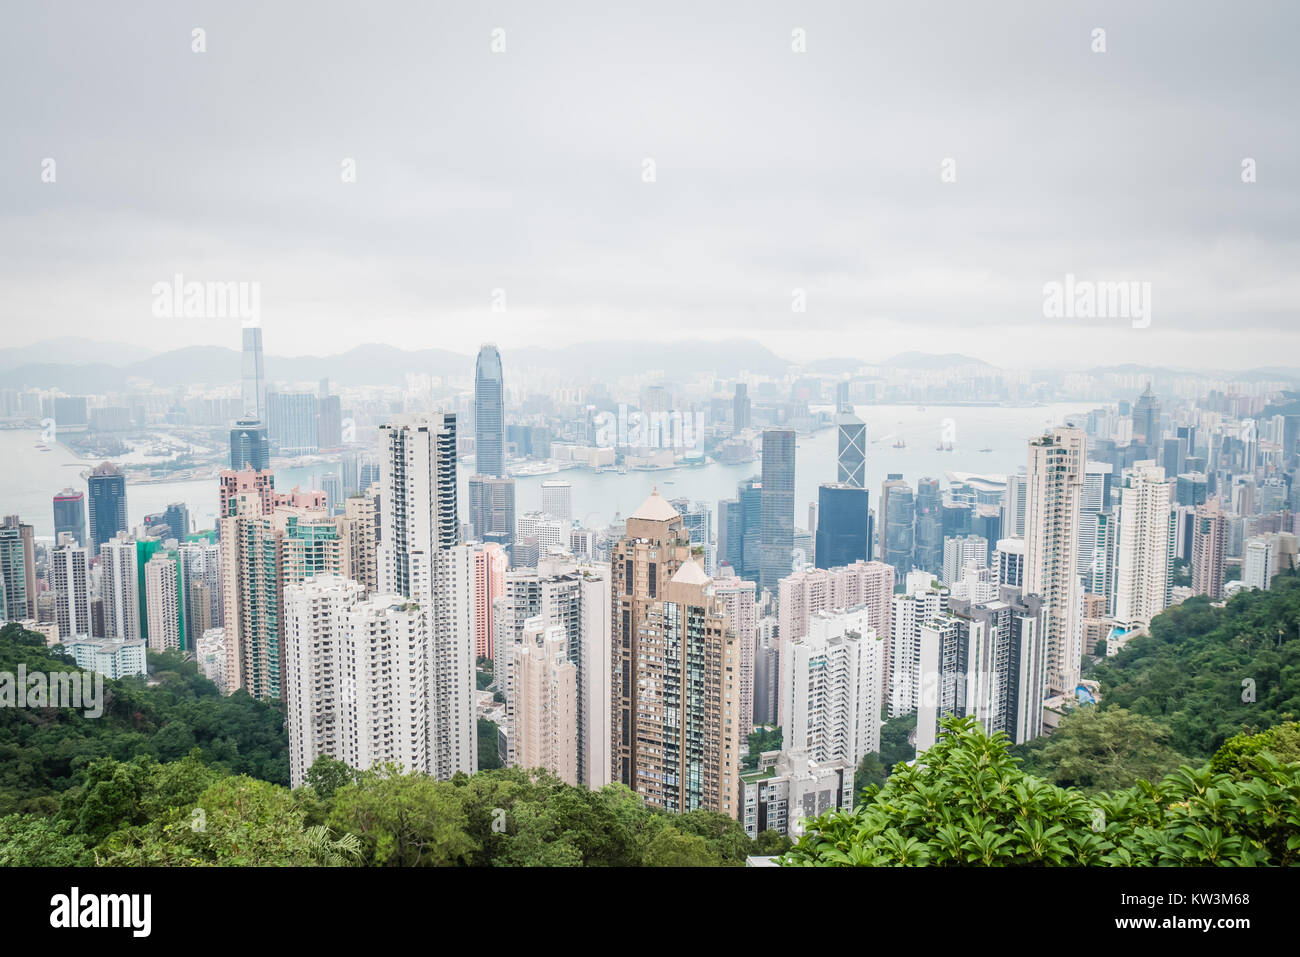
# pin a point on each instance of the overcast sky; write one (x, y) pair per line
(774, 171)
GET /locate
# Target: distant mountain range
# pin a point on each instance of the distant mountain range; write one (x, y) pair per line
(116, 367)
(80, 366)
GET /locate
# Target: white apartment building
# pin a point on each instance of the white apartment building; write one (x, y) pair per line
(70, 580)
(1258, 562)
(112, 659)
(830, 688)
(961, 550)
(1145, 553)
(921, 601)
(1053, 495)
(557, 500)
(120, 587)
(788, 787)
(210, 655)
(356, 677)
(162, 604)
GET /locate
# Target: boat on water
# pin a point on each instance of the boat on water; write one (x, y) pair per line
(42, 447)
(986, 450)
(900, 444)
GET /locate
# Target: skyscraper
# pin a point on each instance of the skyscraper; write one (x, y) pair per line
(1009, 562)
(1053, 493)
(1209, 549)
(492, 510)
(740, 408)
(421, 558)
(119, 586)
(929, 526)
(250, 446)
(292, 420)
(107, 487)
(418, 489)
(1145, 557)
(1146, 423)
(545, 732)
(920, 602)
(676, 734)
(986, 660)
(70, 580)
(70, 516)
(557, 500)
(740, 522)
(254, 378)
(897, 518)
(489, 583)
(489, 413)
(739, 597)
(851, 457)
(356, 678)
(163, 604)
(17, 570)
(776, 534)
(843, 525)
(831, 680)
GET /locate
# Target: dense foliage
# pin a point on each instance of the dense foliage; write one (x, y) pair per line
(1209, 673)
(895, 746)
(46, 751)
(1102, 749)
(967, 802)
(761, 739)
(183, 813)
(489, 755)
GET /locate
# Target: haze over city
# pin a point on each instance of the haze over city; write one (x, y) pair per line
(579, 435)
(509, 178)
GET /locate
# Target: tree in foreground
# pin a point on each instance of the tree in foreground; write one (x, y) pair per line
(966, 802)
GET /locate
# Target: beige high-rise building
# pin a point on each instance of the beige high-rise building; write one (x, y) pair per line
(357, 532)
(1209, 549)
(740, 598)
(1053, 494)
(545, 734)
(675, 722)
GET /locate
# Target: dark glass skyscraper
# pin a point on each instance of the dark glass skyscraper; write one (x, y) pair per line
(929, 526)
(739, 522)
(843, 525)
(897, 519)
(489, 413)
(492, 510)
(70, 516)
(777, 530)
(107, 487)
(740, 408)
(250, 446)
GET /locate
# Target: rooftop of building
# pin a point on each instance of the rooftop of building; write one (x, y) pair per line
(655, 508)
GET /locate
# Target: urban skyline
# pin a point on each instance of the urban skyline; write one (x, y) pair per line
(650, 437)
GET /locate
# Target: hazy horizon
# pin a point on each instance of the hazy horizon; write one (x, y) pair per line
(516, 178)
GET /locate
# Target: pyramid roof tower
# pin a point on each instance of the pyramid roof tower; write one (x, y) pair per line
(655, 509)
